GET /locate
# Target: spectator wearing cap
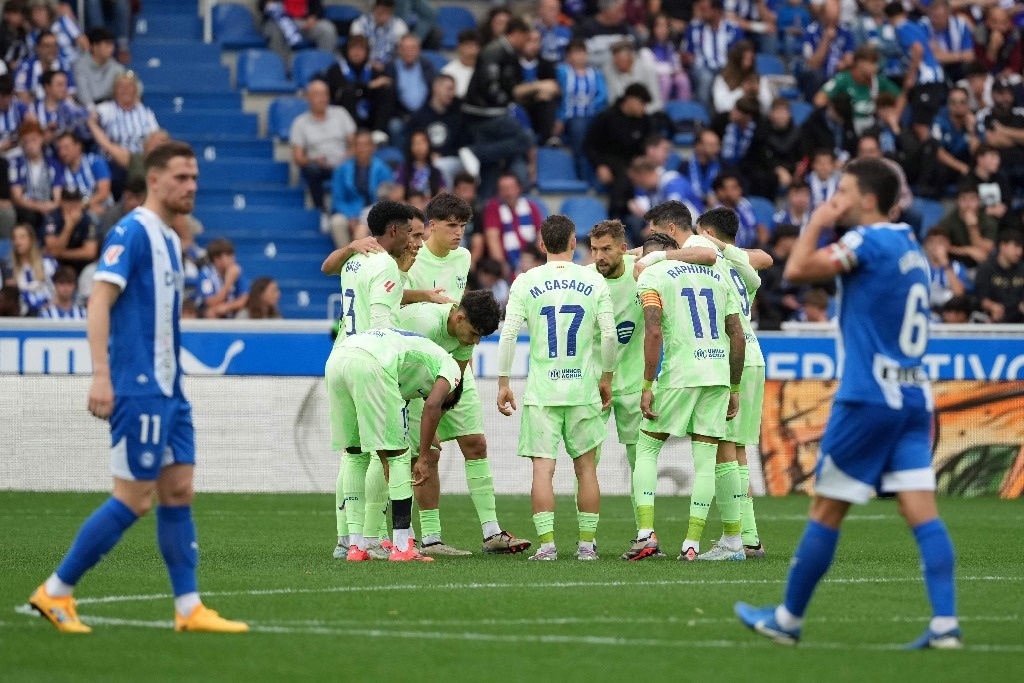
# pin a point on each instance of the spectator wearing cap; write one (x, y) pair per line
(63, 306)
(971, 231)
(96, 70)
(383, 30)
(997, 43)
(125, 123)
(462, 66)
(1000, 280)
(86, 173)
(35, 177)
(290, 23)
(925, 79)
(827, 50)
(28, 78)
(13, 112)
(863, 84)
(1002, 127)
(614, 139)
(70, 232)
(626, 68)
(59, 19)
(223, 289)
(706, 46)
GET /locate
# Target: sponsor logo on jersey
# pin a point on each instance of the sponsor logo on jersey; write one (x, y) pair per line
(113, 254)
(388, 286)
(571, 373)
(709, 354)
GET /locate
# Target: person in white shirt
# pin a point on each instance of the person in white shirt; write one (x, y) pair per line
(461, 68)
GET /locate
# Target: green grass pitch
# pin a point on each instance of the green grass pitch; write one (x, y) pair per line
(267, 559)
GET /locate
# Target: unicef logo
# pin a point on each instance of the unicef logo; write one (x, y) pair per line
(700, 354)
(553, 374)
(625, 331)
(147, 460)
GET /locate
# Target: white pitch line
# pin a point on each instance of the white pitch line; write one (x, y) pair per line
(542, 639)
(532, 586)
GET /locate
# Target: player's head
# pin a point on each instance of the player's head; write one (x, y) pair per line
(870, 188)
(171, 178)
(476, 316)
(672, 218)
(608, 245)
(417, 231)
(720, 222)
(447, 216)
(452, 399)
(558, 235)
(659, 241)
(391, 223)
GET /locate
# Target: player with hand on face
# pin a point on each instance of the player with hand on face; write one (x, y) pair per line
(563, 305)
(878, 436)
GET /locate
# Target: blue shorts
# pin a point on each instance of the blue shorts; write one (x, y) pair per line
(869, 447)
(148, 433)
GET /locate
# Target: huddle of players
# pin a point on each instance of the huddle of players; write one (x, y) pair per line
(418, 353)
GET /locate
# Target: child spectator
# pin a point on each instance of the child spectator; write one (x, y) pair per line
(948, 278)
(584, 94)
(223, 290)
(264, 295)
(672, 78)
(823, 179)
(63, 306)
(797, 210)
(34, 177)
(32, 271)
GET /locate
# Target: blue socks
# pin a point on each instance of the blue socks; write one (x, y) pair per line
(811, 560)
(937, 558)
(100, 532)
(176, 536)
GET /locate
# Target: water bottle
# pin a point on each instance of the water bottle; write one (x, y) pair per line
(270, 251)
(239, 202)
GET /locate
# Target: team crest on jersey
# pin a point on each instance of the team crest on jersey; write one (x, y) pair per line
(624, 331)
(113, 254)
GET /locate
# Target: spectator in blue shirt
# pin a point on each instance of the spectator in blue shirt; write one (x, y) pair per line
(354, 187)
(950, 37)
(28, 78)
(63, 306)
(827, 50)
(954, 129)
(925, 79)
(584, 94)
(554, 35)
(223, 290)
(949, 278)
(412, 74)
(872, 27)
(89, 174)
(13, 113)
(706, 45)
(35, 178)
(793, 19)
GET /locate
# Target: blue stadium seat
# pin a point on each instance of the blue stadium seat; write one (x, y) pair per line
(234, 29)
(541, 204)
(930, 211)
(216, 122)
(451, 21)
(764, 209)
(392, 156)
(246, 196)
(309, 63)
(282, 220)
(188, 27)
(5, 249)
(170, 77)
(436, 58)
(556, 172)
(341, 12)
(262, 71)
(281, 113)
(801, 111)
(769, 65)
(688, 118)
(584, 212)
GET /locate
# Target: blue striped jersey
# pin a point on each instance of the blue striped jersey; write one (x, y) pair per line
(28, 78)
(37, 179)
(126, 128)
(710, 46)
(91, 170)
(55, 312)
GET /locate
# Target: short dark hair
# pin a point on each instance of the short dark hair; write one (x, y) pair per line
(781, 232)
(936, 231)
(982, 149)
(135, 184)
(6, 83)
(452, 399)
(47, 78)
(672, 211)
(219, 247)
(469, 35)
(874, 176)
(557, 232)
(611, 228)
(639, 91)
(719, 182)
(100, 34)
(722, 221)
(446, 206)
(659, 241)
(967, 186)
(416, 213)
(386, 213)
(894, 9)
(160, 156)
(489, 266)
(65, 274)
(576, 44)
(482, 310)
(463, 177)
(1012, 235)
(866, 53)
(517, 25)
(823, 151)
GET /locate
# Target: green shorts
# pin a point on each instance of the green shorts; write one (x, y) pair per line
(627, 417)
(543, 427)
(366, 407)
(745, 428)
(693, 410)
(465, 419)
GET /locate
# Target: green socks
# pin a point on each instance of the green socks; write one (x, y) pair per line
(481, 489)
(727, 491)
(339, 499)
(376, 500)
(588, 525)
(545, 523)
(749, 523)
(430, 524)
(355, 489)
(631, 459)
(704, 455)
(645, 479)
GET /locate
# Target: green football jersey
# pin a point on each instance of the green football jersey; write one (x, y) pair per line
(695, 301)
(368, 280)
(429, 272)
(431, 320)
(629, 329)
(413, 360)
(746, 289)
(560, 302)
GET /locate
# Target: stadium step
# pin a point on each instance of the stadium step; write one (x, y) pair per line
(286, 267)
(172, 76)
(282, 220)
(239, 147)
(181, 53)
(242, 197)
(238, 234)
(184, 27)
(188, 101)
(221, 121)
(285, 245)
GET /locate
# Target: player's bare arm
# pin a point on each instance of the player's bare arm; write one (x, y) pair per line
(101, 393)
(737, 354)
(428, 429)
(333, 264)
(652, 351)
(807, 263)
(430, 296)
